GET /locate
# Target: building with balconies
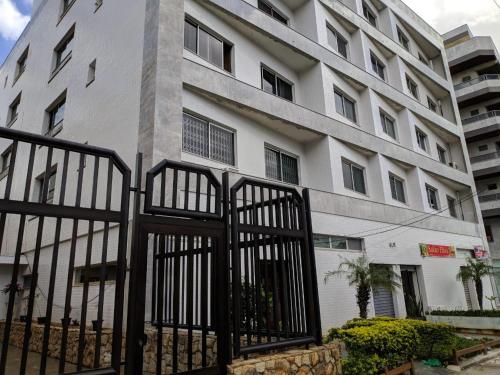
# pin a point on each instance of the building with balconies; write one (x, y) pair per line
(474, 63)
(352, 99)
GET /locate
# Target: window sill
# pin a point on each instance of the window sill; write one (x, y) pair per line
(4, 173)
(90, 82)
(17, 78)
(60, 67)
(55, 130)
(98, 6)
(11, 122)
(65, 12)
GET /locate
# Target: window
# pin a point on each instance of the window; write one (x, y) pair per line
(208, 46)
(377, 66)
(64, 48)
(474, 112)
(276, 85)
(492, 186)
(6, 158)
(13, 110)
(21, 64)
(412, 87)
(98, 4)
(51, 186)
(337, 41)
(432, 197)
(272, 11)
(441, 154)
(423, 59)
(91, 73)
(432, 105)
(354, 177)
(5, 81)
(56, 114)
(388, 125)
(369, 15)
(397, 188)
(421, 139)
(483, 148)
(345, 106)
(66, 4)
(94, 273)
(281, 166)
(452, 206)
(403, 40)
(202, 138)
(337, 242)
(466, 79)
(489, 233)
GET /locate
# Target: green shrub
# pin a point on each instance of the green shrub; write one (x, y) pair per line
(363, 364)
(478, 313)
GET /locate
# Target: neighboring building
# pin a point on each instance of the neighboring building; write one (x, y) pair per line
(352, 99)
(474, 63)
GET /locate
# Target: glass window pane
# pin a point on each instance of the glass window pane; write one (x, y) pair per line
(394, 193)
(320, 240)
(285, 89)
(273, 164)
(400, 191)
(268, 82)
(265, 7)
(342, 46)
(190, 36)
(338, 243)
(215, 52)
(346, 171)
(339, 103)
(279, 17)
(195, 136)
(204, 44)
(355, 244)
(350, 111)
(290, 169)
(359, 180)
(332, 38)
(221, 145)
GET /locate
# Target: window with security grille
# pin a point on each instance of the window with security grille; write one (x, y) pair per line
(354, 177)
(432, 197)
(202, 138)
(397, 188)
(337, 41)
(388, 125)
(281, 166)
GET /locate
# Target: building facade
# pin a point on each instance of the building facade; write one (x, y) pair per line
(474, 63)
(351, 99)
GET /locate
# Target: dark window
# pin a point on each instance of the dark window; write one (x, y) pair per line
(377, 66)
(432, 105)
(207, 140)
(466, 79)
(421, 139)
(354, 177)
(272, 11)
(483, 148)
(14, 110)
(66, 5)
(338, 242)
(474, 112)
(441, 154)
(56, 114)
(345, 106)
(397, 188)
(489, 233)
(423, 59)
(369, 14)
(21, 63)
(388, 125)
(412, 87)
(276, 85)
(6, 158)
(432, 197)
(94, 273)
(281, 166)
(403, 40)
(492, 186)
(64, 48)
(208, 46)
(337, 41)
(91, 72)
(452, 206)
(51, 185)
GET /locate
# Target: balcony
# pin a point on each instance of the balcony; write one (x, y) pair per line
(479, 89)
(490, 205)
(483, 165)
(473, 52)
(481, 126)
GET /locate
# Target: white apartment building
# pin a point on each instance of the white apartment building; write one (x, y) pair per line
(352, 99)
(475, 67)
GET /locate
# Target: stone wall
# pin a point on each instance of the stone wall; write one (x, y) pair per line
(320, 360)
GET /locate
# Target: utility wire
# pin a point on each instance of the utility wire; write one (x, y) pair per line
(496, 3)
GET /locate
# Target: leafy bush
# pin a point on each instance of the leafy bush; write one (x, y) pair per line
(477, 313)
(363, 364)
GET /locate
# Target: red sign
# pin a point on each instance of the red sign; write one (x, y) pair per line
(480, 253)
(441, 251)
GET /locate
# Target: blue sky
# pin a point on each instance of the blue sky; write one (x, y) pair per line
(14, 15)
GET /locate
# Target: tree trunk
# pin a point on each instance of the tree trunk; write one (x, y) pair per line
(363, 298)
(479, 291)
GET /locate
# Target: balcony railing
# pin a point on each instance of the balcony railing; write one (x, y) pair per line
(484, 77)
(482, 116)
(480, 158)
(489, 198)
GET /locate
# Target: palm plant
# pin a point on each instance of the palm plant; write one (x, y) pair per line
(475, 271)
(365, 276)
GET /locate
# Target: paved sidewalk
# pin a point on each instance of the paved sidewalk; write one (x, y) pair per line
(491, 367)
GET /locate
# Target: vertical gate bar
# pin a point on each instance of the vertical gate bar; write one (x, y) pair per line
(284, 269)
(198, 193)
(236, 273)
(315, 294)
(53, 269)
(247, 271)
(34, 269)
(300, 282)
(171, 249)
(189, 304)
(209, 195)
(102, 276)
(186, 191)
(291, 272)
(17, 259)
(154, 289)
(183, 283)
(159, 262)
(273, 265)
(88, 261)
(175, 339)
(264, 257)
(204, 301)
(138, 265)
(8, 189)
(196, 280)
(162, 188)
(256, 247)
(283, 290)
(69, 282)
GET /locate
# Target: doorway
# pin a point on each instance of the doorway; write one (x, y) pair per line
(411, 292)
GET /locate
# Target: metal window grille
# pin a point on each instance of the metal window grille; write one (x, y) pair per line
(221, 145)
(195, 136)
(282, 167)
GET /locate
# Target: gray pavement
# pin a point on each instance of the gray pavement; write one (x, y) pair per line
(491, 367)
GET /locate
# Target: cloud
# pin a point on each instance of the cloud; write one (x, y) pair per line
(12, 21)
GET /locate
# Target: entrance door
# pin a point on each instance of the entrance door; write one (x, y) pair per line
(413, 301)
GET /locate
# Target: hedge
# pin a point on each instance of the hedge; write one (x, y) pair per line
(476, 313)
